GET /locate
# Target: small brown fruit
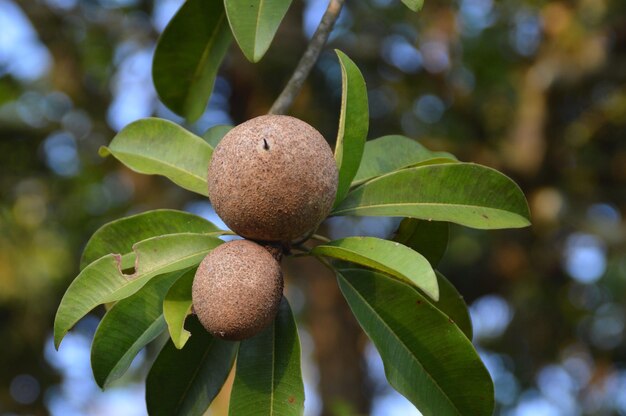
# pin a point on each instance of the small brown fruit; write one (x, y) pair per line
(237, 290)
(272, 178)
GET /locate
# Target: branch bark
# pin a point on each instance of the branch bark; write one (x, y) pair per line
(286, 98)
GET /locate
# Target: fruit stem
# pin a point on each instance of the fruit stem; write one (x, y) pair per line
(286, 98)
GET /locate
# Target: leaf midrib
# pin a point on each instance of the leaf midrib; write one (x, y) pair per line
(203, 58)
(366, 303)
(194, 375)
(361, 180)
(342, 115)
(397, 274)
(158, 161)
(158, 320)
(366, 261)
(256, 29)
(434, 204)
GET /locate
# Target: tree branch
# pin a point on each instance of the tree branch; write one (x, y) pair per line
(285, 100)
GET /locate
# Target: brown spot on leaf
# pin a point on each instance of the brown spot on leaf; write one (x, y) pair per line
(292, 399)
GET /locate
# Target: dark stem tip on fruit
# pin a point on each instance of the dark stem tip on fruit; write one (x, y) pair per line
(277, 250)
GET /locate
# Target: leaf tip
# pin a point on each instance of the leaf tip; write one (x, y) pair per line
(58, 337)
(255, 55)
(104, 151)
(180, 343)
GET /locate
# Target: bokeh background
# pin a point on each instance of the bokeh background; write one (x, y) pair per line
(534, 88)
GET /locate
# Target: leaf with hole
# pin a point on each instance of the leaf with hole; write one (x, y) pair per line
(464, 193)
(188, 56)
(268, 380)
(185, 382)
(127, 327)
(176, 306)
(119, 236)
(159, 147)
(386, 256)
(427, 358)
(390, 153)
(104, 281)
(353, 124)
(254, 24)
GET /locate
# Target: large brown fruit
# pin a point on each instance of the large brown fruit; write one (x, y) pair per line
(272, 178)
(237, 290)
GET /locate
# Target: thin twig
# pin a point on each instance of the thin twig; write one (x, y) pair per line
(285, 100)
(321, 238)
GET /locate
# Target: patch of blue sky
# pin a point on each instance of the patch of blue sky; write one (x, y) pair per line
(22, 55)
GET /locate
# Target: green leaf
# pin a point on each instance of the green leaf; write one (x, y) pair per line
(268, 380)
(389, 153)
(159, 147)
(353, 124)
(215, 134)
(464, 193)
(452, 304)
(415, 5)
(427, 358)
(127, 327)
(103, 280)
(185, 382)
(386, 256)
(254, 24)
(188, 55)
(119, 236)
(176, 307)
(429, 238)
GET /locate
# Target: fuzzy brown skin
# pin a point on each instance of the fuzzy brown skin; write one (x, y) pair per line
(272, 178)
(237, 290)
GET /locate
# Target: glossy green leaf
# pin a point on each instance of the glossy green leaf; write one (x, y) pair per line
(452, 304)
(389, 153)
(415, 5)
(386, 256)
(185, 382)
(426, 356)
(159, 147)
(104, 281)
(254, 24)
(268, 380)
(119, 236)
(127, 327)
(353, 124)
(176, 307)
(429, 238)
(215, 134)
(188, 56)
(464, 193)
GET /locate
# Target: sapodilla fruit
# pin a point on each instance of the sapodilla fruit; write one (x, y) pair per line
(272, 178)
(237, 290)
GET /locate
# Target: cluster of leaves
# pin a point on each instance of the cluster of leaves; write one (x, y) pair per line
(194, 44)
(143, 266)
